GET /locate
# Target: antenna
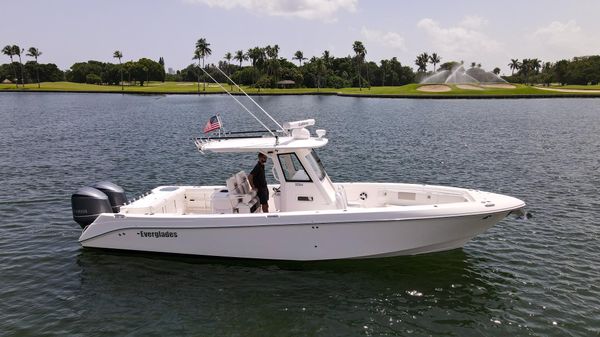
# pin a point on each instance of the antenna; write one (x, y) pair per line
(240, 103)
(253, 101)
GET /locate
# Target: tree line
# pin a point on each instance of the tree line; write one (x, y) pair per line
(131, 72)
(582, 70)
(92, 72)
(19, 72)
(263, 67)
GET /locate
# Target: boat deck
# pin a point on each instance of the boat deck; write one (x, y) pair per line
(184, 200)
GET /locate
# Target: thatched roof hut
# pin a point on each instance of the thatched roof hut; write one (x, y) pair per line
(286, 83)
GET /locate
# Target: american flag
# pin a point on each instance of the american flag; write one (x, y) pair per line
(214, 123)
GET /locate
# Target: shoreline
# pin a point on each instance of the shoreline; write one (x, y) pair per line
(550, 94)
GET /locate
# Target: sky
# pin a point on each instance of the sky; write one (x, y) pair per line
(487, 32)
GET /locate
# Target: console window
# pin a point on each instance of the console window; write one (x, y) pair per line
(292, 168)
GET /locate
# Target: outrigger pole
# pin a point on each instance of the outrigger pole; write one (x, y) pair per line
(240, 103)
(253, 101)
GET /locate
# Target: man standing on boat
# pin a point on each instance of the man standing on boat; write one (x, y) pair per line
(258, 181)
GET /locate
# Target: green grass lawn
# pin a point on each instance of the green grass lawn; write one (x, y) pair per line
(578, 87)
(152, 87)
(190, 87)
(411, 90)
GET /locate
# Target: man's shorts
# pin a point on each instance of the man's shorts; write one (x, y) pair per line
(263, 196)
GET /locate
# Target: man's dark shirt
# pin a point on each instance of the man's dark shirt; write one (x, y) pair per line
(258, 177)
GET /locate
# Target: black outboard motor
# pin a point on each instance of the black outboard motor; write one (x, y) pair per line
(87, 203)
(116, 195)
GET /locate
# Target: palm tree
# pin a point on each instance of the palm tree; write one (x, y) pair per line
(434, 59)
(272, 54)
(473, 64)
(35, 53)
(327, 58)
(228, 57)
(118, 55)
(198, 56)
(384, 65)
(320, 70)
(253, 54)
(536, 65)
(548, 73)
(240, 56)
(163, 74)
(422, 61)
(547, 68)
(360, 51)
(526, 67)
(269, 51)
(514, 65)
(257, 55)
(496, 71)
(299, 55)
(8, 50)
(530, 65)
(16, 50)
(201, 52)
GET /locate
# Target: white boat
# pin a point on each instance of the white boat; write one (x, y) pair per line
(310, 218)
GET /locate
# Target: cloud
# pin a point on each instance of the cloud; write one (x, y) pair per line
(463, 40)
(386, 39)
(473, 22)
(560, 39)
(558, 28)
(305, 9)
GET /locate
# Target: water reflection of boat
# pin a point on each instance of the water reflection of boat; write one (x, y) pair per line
(313, 219)
(425, 273)
(210, 293)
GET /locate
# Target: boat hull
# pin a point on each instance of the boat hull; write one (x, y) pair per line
(304, 237)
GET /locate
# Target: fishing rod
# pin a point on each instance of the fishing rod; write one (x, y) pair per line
(253, 101)
(240, 103)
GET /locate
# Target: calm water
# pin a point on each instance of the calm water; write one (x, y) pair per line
(539, 277)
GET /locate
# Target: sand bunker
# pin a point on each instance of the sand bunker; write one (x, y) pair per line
(499, 86)
(468, 87)
(434, 88)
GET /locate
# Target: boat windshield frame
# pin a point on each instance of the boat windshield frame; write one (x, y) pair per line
(315, 162)
(294, 160)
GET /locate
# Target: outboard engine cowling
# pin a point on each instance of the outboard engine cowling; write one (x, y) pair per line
(116, 194)
(87, 203)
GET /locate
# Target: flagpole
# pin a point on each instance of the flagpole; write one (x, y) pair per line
(220, 123)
